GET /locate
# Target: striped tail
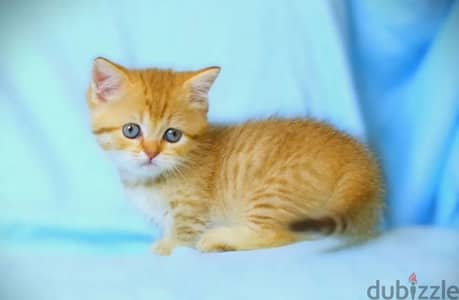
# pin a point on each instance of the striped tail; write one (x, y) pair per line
(322, 225)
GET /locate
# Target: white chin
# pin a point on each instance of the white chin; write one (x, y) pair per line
(140, 173)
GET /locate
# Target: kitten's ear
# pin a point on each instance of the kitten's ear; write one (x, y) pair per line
(107, 80)
(199, 85)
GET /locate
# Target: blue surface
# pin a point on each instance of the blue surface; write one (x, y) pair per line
(301, 271)
(384, 71)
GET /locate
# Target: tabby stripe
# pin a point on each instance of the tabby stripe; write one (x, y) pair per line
(191, 136)
(104, 130)
(263, 195)
(260, 218)
(191, 219)
(186, 233)
(264, 205)
(261, 221)
(278, 208)
(163, 110)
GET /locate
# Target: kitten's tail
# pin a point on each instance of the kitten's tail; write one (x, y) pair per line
(351, 211)
(322, 225)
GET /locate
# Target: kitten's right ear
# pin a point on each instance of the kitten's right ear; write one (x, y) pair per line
(108, 79)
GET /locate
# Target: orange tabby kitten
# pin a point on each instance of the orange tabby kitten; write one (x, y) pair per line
(218, 188)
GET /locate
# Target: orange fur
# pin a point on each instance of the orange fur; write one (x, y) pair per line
(259, 184)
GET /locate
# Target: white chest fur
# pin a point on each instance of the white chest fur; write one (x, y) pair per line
(150, 202)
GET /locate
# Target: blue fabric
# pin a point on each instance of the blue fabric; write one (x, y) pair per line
(296, 272)
(386, 71)
(406, 57)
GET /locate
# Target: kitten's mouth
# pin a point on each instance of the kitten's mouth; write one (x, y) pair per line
(148, 163)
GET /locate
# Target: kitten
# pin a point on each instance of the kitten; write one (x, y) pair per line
(217, 188)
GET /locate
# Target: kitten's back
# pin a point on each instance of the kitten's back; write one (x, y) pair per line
(300, 174)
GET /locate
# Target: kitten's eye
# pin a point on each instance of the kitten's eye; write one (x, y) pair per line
(172, 135)
(131, 130)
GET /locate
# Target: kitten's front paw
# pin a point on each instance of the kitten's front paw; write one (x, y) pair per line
(162, 247)
(212, 243)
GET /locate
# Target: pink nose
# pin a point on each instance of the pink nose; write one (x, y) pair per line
(151, 154)
(151, 149)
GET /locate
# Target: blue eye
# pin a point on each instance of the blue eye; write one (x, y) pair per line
(131, 130)
(172, 135)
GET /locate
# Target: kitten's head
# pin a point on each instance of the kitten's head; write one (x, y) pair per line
(148, 120)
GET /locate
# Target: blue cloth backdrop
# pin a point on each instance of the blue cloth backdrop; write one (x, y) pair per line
(386, 71)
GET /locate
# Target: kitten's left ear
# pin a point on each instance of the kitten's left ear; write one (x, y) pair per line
(108, 79)
(199, 85)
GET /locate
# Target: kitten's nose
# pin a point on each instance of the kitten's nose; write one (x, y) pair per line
(150, 149)
(151, 154)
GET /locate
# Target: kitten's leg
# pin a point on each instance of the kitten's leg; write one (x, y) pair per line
(163, 247)
(184, 225)
(243, 238)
